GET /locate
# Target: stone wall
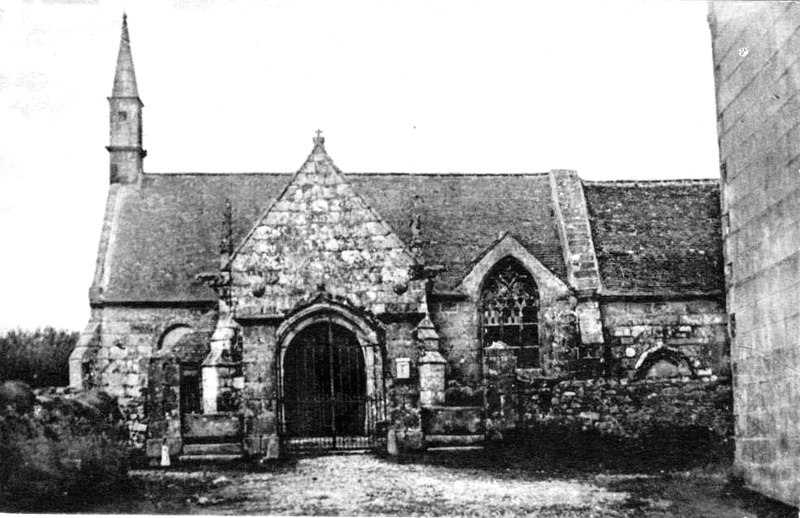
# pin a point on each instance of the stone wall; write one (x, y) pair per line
(757, 72)
(628, 409)
(118, 363)
(689, 332)
(260, 396)
(457, 324)
(321, 236)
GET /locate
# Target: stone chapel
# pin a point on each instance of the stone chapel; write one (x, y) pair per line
(252, 314)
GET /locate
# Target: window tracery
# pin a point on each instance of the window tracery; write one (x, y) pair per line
(509, 310)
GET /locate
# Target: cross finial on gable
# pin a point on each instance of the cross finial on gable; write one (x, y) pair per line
(319, 139)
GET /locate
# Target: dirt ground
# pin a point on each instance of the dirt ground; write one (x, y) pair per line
(463, 483)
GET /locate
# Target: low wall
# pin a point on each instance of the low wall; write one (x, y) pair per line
(628, 409)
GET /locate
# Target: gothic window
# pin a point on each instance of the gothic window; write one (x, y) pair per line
(509, 308)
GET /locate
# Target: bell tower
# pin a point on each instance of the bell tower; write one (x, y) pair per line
(125, 118)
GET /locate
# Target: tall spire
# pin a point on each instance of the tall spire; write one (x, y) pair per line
(125, 116)
(125, 77)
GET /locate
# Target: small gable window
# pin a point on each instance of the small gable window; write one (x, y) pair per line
(122, 115)
(509, 307)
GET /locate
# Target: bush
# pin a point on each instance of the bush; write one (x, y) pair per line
(39, 358)
(69, 449)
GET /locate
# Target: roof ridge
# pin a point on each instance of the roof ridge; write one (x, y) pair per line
(356, 173)
(676, 181)
(271, 173)
(452, 173)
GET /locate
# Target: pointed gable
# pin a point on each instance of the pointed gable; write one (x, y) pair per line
(319, 235)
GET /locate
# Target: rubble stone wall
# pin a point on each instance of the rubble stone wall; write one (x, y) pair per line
(628, 409)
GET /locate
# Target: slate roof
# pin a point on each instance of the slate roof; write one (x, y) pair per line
(461, 215)
(657, 237)
(168, 228)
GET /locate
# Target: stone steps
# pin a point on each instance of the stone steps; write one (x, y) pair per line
(442, 440)
(211, 452)
(219, 448)
(209, 458)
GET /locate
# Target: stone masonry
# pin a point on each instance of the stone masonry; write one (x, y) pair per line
(404, 305)
(756, 70)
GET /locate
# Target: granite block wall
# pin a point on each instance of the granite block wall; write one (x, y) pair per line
(756, 71)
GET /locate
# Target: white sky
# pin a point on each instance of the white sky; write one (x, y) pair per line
(615, 90)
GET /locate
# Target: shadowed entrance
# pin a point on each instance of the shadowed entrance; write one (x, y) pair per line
(325, 386)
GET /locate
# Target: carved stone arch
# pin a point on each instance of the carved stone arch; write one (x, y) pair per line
(292, 338)
(367, 331)
(655, 356)
(550, 287)
(171, 335)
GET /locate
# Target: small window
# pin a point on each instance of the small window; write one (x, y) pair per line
(123, 116)
(509, 311)
(114, 172)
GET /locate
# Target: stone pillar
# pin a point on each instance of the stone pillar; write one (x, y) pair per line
(589, 322)
(431, 365)
(500, 376)
(220, 369)
(431, 379)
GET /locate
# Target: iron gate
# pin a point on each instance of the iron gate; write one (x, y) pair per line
(330, 394)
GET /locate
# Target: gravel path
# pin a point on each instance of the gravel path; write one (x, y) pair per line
(366, 485)
(363, 485)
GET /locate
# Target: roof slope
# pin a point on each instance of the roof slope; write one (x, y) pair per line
(657, 237)
(462, 215)
(168, 229)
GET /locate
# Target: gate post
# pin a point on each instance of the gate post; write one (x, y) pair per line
(163, 407)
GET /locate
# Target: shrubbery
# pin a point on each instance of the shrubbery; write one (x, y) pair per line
(39, 358)
(66, 450)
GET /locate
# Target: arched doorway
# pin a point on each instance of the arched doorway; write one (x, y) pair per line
(326, 403)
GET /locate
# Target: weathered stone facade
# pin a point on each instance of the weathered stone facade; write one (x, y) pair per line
(242, 314)
(756, 70)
